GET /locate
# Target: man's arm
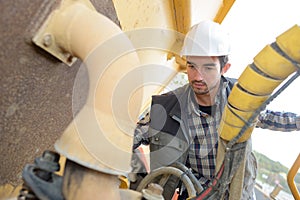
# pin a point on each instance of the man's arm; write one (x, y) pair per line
(141, 135)
(138, 169)
(279, 121)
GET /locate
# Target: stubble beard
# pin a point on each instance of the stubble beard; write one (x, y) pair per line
(202, 91)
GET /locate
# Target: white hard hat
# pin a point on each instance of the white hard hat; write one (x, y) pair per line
(206, 38)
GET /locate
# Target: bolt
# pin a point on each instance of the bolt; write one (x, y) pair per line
(70, 59)
(47, 40)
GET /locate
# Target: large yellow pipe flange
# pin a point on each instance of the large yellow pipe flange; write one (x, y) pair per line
(289, 43)
(250, 101)
(273, 64)
(258, 81)
(233, 121)
(235, 116)
(234, 131)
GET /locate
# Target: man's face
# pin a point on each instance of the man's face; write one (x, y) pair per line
(204, 73)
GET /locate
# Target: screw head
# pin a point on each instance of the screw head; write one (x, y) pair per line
(47, 40)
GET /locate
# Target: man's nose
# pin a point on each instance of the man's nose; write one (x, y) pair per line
(199, 75)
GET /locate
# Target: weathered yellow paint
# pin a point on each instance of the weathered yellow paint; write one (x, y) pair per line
(134, 14)
(229, 131)
(8, 191)
(75, 30)
(177, 15)
(183, 20)
(57, 46)
(223, 10)
(289, 42)
(250, 101)
(124, 182)
(182, 15)
(159, 15)
(62, 163)
(252, 81)
(284, 69)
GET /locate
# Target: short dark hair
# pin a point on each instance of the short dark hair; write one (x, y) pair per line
(223, 60)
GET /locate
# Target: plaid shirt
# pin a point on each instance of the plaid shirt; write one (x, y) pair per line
(279, 121)
(204, 137)
(203, 130)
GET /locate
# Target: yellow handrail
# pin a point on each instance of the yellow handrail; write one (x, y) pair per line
(290, 178)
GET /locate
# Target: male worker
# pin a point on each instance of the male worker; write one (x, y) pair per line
(183, 123)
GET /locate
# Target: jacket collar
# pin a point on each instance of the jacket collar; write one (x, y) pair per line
(182, 95)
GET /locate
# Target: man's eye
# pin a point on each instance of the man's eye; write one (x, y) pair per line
(209, 68)
(190, 65)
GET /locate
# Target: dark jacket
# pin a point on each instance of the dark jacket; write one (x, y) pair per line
(168, 134)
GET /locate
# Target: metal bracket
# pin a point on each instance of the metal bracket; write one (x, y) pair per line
(46, 40)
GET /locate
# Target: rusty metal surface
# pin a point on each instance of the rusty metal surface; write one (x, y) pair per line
(35, 88)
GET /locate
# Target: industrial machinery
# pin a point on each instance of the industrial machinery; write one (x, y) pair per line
(77, 72)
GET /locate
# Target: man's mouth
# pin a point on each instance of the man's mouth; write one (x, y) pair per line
(199, 84)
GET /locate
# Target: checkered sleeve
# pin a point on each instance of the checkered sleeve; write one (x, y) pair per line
(141, 132)
(279, 121)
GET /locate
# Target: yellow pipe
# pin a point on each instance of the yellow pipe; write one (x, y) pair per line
(284, 66)
(231, 122)
(258, 81)
(106, 122)
(250, 101)
(289, 42)
(99, 138)
(290, 178)
(79, 29)
(223, 10)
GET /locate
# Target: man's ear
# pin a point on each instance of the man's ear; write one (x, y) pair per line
(225, 68)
